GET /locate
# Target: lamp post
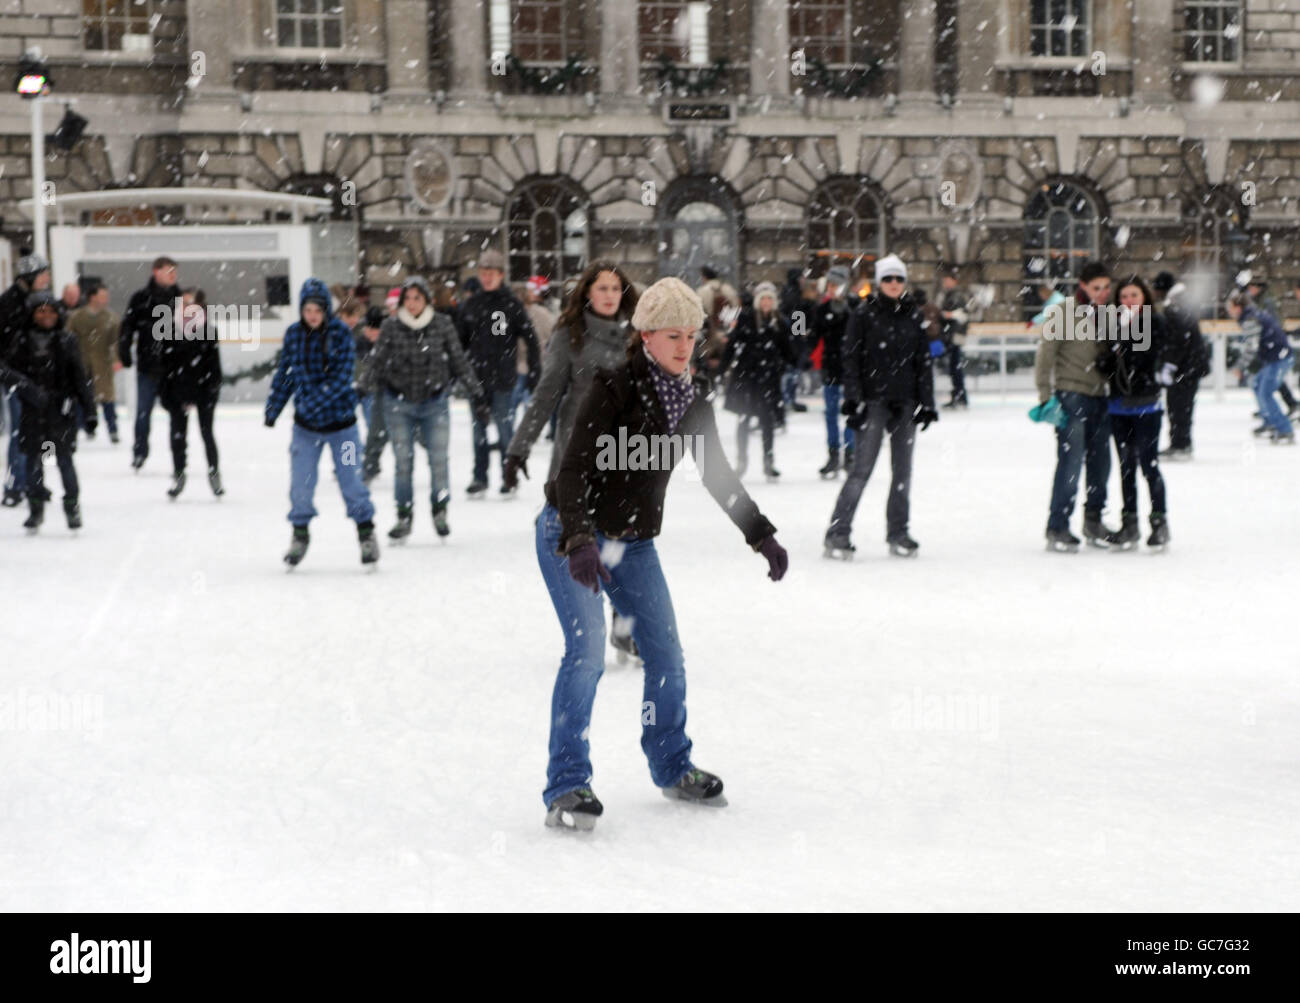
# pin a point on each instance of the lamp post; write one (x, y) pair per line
(32, 84)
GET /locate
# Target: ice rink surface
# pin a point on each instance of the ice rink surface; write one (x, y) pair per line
(185, 726)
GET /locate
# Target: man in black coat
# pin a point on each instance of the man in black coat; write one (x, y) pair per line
(33, 277)
(1186, 349)
(148, 321)
(888, 388)
(491, 323)
(830, 319)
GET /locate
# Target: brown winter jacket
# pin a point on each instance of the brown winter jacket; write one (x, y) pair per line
(1068, 365)
(97, 337)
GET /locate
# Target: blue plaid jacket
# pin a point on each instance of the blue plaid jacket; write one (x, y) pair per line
(316, 371)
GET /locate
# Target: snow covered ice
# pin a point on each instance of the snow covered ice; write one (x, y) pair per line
(987, 727)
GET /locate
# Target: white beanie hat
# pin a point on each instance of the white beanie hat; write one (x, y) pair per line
(890, 264)
(669, 302)
(765, 289)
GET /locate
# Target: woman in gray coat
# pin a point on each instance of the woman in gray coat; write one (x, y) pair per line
(591, 333)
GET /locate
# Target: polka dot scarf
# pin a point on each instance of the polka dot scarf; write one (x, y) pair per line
(675, 392)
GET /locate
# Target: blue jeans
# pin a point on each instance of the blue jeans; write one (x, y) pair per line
(16, 480)
(520, 396)
(833, 395)
(1267, 381)
(430, 419)
(789, 386)
(304, 459)
(639, 594)
(367, 402)
(503, 418)
(1085, 440)
(146, 392)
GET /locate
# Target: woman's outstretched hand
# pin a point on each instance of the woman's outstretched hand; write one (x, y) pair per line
(778, 561)
(586, 568)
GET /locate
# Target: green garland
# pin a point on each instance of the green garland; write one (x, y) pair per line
(851, 83)
(257, 371)
(550, 79)
(695, 82)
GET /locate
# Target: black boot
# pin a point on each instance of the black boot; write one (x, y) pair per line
(1129, 535)
(832, 465)
(12, 498)
(698, 786)
(1095, 531)
(1159, 538)
(848, 460)
(1062, 541)
(37, 516)
(402, 529)
(297, 546)
(369, 545)
(769, 467)
(576, 810)
(73, 511)
(178, 485)
(902, 545)
(214, 482)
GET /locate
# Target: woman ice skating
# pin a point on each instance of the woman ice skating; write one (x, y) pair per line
(189, 375)
(1275, 357)
(43, 367)
(316, 371)
(590, 334)
(1138, 366)
(888, 388)
(597, 531)
(415, 362)
(757, 355)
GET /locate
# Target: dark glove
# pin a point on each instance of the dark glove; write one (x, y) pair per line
(126, 360)
(857, 415)
(90, 424)
(481, 410)
(514, 466)
(270, 422)
(924, 416)
(778, 561)
(586, 568)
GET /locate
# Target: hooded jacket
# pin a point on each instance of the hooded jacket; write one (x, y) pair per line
(44, 367)
(315, 370)
(756, 356)
(1132, 371)
(887, 353)
(189, 364)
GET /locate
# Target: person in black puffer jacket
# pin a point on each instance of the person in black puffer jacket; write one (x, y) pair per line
(888, 387)
(1189, 352)
(33, 276)
(756, 357)
(830, 320)
(491, 323)
(149, 308)
(43, 367)
(1134, 359)
(189, 375)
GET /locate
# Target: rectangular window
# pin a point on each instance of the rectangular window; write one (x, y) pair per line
(1058, 27)
(1211, 31)
(679, 31)
(537, 30)
(117, 25)
(823, 29)
(309, 24)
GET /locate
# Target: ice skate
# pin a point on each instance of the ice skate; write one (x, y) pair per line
(698, 787)
(440, 514)
(832, 468)
(1095, 531)
(902, 545)
(1062, 541)
(137, 463)
(37, 516)
(477, 490)
(577, 810)
(214, 482)
(12, 498)
(1282, 438)
(178, 485)
(1159, 538)
(1129, 535)
(73, 513)
(402, 529)
(838, 548)
(769, 469)
(369, 545)
(297, 546)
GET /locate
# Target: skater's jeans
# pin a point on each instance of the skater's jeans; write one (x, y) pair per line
(36, 490)
(1137, 440)
(503, 418)
(957, 370)
(431, 421)
(1084, 441)
(1267, 381)
(833, 395)
(789, 386)
(146, 392)
(520, 396)
(180, 426)
(901, 441)
(376, 435)
(639, 593)
(16, 476)
(304, 462)
(1181, 399)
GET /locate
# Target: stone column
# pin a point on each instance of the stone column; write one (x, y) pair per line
(769, 42)
(406, 45)
(916, 52)
(212, 30)
(468, 41)
(1153, 51)
(620, 50)
(977, 51)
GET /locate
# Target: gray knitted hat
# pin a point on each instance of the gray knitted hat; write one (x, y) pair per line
(669, 302)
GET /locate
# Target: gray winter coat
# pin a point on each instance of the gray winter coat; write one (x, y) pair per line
(418, 363)
(566, 378)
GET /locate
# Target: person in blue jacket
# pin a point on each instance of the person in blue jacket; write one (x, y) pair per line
(315, 369)
(1275, 357)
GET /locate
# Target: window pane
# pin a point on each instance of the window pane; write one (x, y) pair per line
(310, 37)
(1038, 42)
(284, 35)
(333, 31)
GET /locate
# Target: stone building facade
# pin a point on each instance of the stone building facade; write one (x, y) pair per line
(757, 135)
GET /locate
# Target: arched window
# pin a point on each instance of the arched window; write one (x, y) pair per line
(1061, 235)
(1214, 244)
(845, 226)
(549, 231)
(697, 226)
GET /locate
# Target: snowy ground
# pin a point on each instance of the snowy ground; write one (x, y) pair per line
(987, 727)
